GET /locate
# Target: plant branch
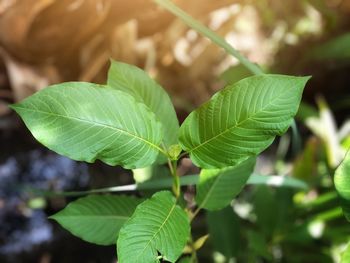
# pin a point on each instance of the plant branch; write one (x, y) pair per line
(200, 28)
(194, 258)
(195, 213)
(176, 179)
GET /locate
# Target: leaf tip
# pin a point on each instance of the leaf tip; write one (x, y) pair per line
(304, 79)
(53, 217)
(14, 106)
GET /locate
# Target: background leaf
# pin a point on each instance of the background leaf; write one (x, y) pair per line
(342, 184)
(158, 225)
(153, 176)
(224, 231)
(336, 48)
(279, 181)
(241, 120)
(345, 257)
(235, 73)
(265, 208)
(258, 247)
(138, 84)
(97, 218)
(217, 187)
(86, 122)
(185, 260)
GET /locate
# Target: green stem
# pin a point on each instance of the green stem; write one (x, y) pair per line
(194, 258)
(176, 179)
(199, 27)
(296, 140)
(195, 213)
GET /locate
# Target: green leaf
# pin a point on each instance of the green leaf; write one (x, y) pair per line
(138, 84)
(342, 184)
(185, 260)
(241, 120)
(217, 187)
(97, 218)
(235, 73)
(336, 48)
(158, 225)
(258, 245)
(224, 230)
(324, 126)
(199, 243)
(87, 121)
(277, 181)
(151, 174)
(345, 256)
(305, 165)
(266, 209)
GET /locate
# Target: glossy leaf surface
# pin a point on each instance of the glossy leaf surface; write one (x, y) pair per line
(97, 218)
(241, 120)
(158, 225)
(86, 122)
(138, 84)
(217, 187)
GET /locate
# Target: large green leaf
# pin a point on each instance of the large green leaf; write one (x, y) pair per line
(217, 187)
(158, 225)
(137, 83)
(86, 122)
(241, 120)
(342, 184)
(97, 218)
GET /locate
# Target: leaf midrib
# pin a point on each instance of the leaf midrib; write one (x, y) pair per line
(159, 229)
(97, 124)
(234, 126)
(205, 200)
(122, 83)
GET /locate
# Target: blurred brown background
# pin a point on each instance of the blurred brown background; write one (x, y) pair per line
(50, 41)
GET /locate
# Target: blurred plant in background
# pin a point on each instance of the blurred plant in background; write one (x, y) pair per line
(64, 40)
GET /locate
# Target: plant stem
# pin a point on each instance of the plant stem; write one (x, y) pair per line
(194, 258)
(195, 213)
(199, 27)
(176, 179)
